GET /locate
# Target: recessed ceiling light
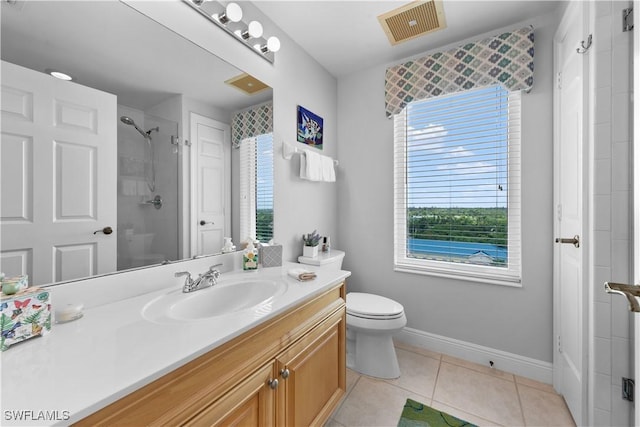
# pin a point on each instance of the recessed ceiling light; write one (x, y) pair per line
(58, 74)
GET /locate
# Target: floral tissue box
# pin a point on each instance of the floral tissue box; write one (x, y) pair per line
(24, 315)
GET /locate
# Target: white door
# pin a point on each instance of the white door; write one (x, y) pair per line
(210, 184)
(58, 172)
(570, 276)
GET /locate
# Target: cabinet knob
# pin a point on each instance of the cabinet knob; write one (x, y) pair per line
(273, 384)
(284, 373)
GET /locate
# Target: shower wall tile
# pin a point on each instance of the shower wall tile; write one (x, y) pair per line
(602, 358)
(602, 319)
(601, 275)
(602, 140)
(602, 212)
(620, 318)
(602, 389)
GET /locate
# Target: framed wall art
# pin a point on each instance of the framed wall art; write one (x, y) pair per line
(310, 128)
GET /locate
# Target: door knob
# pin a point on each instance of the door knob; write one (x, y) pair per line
(575, 240)
(203, 222)
(273, 384)
(106, 230)
(284, 373)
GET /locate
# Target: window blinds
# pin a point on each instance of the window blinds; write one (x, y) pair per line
(256, 188)
(457, 184)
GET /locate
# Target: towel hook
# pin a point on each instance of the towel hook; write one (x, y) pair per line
(587, 47)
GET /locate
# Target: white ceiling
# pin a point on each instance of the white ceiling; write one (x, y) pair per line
(345, 36)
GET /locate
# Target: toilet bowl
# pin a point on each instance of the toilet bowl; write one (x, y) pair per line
(371, 322)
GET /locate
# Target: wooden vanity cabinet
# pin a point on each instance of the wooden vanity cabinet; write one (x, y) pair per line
(312, 383)
(288, 371)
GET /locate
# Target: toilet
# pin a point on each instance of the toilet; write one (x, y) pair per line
(372, 320)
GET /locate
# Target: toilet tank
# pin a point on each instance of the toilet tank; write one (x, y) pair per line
(332, 259)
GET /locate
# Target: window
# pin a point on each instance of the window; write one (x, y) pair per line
(457, 186)
(256, 188)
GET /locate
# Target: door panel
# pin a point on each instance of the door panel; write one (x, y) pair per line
(52, 132)
(316, 374)
(570, 324)
(211, 192)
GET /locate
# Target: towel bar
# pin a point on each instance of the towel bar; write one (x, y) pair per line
(289, 150)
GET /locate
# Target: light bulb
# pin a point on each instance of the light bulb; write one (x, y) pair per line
(273, 44)
(254, 29)
(233, 13)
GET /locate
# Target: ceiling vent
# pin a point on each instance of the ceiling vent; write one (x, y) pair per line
(247, 83)
(413, 20)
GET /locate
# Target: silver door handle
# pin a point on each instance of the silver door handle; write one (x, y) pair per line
(575, 240)
(628, 291)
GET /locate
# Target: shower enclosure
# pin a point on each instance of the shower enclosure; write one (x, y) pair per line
(147, 189)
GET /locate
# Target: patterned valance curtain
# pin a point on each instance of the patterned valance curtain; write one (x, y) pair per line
(251, 122)
(506, 59)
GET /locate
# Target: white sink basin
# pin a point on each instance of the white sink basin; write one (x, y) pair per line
(219, 300)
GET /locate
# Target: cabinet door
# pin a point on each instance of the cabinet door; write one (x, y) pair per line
(312, 375)
(252, 403)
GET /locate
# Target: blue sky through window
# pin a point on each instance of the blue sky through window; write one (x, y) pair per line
(264, 172)
(457, 148)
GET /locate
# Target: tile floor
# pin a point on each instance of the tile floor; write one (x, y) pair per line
(475, 393)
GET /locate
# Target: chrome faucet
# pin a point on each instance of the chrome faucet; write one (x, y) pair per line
(205, 280)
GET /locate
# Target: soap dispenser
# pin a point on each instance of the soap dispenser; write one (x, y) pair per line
(250, 256)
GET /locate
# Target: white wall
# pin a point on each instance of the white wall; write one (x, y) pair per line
(611, 197)
(515, 320)
(296, 79)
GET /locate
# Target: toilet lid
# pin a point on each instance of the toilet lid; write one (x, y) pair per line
(372, 306)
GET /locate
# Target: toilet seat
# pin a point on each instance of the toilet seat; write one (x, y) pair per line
(374, 307)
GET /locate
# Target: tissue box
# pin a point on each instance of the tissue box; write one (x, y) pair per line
(271, 255)
(24, 315)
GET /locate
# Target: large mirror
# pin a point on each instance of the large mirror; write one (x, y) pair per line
(128, 165)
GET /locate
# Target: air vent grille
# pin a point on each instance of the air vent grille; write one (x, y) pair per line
(413, 20)
(247, 83)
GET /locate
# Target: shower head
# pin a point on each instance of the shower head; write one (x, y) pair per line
(129, 121)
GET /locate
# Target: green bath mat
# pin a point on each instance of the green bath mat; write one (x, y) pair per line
(416, 414)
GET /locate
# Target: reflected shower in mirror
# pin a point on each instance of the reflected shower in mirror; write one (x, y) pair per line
(139, 141)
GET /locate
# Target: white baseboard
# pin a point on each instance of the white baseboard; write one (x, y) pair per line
(508, 362)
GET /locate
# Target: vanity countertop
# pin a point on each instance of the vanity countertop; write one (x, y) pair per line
(84, 365)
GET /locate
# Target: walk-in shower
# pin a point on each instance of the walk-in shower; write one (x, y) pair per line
(151, 180)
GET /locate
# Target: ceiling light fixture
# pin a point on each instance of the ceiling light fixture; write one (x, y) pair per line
(58, 74)
(229, 18)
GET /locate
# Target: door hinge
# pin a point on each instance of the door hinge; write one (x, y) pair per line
(627, 19)
(559, 346)
(559, 81)
(627, 389)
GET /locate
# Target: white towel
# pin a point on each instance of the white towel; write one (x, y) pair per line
(328, 171)
(301, 274)
(311, 166)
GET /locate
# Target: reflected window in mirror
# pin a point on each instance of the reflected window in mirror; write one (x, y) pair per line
(256, 187)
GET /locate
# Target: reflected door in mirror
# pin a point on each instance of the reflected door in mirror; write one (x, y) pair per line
(58, 177)
(210, 141)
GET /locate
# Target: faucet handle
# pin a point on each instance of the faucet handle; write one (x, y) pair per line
(215, 265)
(183, 273)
